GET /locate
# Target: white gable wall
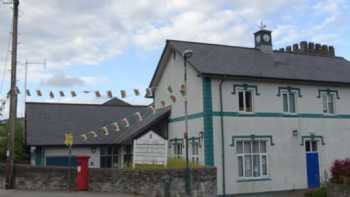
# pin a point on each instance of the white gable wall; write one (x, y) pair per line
(173, 75)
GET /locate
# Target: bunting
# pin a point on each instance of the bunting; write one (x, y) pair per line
(109, 94)
(173, 98)
(136, 92)
(116, 126)
(84, 137)
(149, 92)
(139, 116)
(105, 130)
(93, 133)
(123, 93)
(125, 120)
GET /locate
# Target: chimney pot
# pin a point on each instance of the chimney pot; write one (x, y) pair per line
(288, 49)
(311, 47)
(324, 50)
(295, 48)
(317, 48)
(331, 51)
(303, 47)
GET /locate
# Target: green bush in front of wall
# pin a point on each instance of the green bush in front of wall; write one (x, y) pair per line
(320, 192)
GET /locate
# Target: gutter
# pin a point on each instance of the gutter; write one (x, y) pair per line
(222, 140)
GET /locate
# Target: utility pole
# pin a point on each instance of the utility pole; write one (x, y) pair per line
(10, 153)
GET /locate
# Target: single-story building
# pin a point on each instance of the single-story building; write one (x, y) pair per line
(47, 123)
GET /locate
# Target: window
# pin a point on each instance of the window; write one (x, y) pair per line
(252, 158)
(245, 100)
(108, 157)
(289, 102)
(195, 152)
(311, 146)
(178, 149)
(328, 103)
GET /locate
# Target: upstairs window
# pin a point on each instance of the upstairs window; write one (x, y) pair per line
(328, 101)
(289, 102)
(245, 100)
(195, 152)
(178, 149)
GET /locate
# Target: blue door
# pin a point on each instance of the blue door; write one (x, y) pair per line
(312, 164)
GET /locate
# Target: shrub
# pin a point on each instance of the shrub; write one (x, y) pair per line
(320, 192)
(341, 171)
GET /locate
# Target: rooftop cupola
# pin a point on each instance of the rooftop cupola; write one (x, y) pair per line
(263, 39)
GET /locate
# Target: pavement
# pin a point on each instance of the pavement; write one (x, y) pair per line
(19, 193)
(278, 194)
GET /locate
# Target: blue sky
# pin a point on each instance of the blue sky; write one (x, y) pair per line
(113, 45)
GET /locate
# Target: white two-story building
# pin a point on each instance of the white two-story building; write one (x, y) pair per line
(269, 120)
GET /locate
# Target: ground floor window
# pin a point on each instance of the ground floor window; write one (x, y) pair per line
(252, 158)
(178, 149)
(109, 157)
(195, 152)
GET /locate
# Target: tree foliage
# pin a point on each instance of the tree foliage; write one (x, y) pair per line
(20, 150)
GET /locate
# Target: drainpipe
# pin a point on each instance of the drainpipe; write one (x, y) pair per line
(222, 140)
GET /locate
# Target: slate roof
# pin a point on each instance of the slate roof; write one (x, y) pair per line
(46, 123)
(219, 60)
(116, 101)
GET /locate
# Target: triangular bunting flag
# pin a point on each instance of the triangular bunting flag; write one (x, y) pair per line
(116, 126)
(84, 137)
(163, 103)
(28, 93)
(105, 130)
(149, 92)
(109, 94)
(51, 95)
(139, 116)
(61, 93)
(170, 89)
(123, 93)
(183, 90)
(137, 92)
(173, 98)
(93, 133)
(98, 94)
(153, 109)
(38, 92)
(125, 120)
(73, 93)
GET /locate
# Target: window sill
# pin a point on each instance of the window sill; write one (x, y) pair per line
(329, 115)
(243, 113)
(289, 114)
(254, 179)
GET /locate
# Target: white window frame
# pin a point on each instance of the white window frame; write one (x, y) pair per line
(195, 155)
(284, 92)
(325, 109)
(243, 154)
(252, 92)
(178, 146)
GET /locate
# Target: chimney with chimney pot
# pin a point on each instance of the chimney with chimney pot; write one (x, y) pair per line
(311, 48)
(303, 47)
(331, 51)
(295, 48)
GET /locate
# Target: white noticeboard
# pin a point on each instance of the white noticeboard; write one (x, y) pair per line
(150, 149)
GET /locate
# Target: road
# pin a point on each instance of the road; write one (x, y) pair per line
(17, 193)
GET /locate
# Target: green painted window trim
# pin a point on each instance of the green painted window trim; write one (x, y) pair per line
(289, 89)
(328, 91)
(174, 141)
(245, 87)
(208, 123)
(312, 137)
(267, 115)
(252, 138)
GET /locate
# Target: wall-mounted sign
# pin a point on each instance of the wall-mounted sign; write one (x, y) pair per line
(150, 149)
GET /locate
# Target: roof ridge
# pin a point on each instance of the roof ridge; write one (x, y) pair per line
(213, 44)
(312, 55)
(84, 104)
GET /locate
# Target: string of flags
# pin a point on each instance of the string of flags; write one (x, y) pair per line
(117, 125)
(109, 93)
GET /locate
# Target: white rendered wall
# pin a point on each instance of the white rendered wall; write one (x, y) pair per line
(173, 75)
(287, 160)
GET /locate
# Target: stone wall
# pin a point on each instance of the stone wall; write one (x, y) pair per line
(160, 182)
(149, 182)
(338, 190)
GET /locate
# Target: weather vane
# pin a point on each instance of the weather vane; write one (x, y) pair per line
(262, 26)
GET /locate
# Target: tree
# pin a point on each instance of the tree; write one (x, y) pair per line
(20, 150)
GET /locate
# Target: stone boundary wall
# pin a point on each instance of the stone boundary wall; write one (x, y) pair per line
(338, 190)
(157, 182)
